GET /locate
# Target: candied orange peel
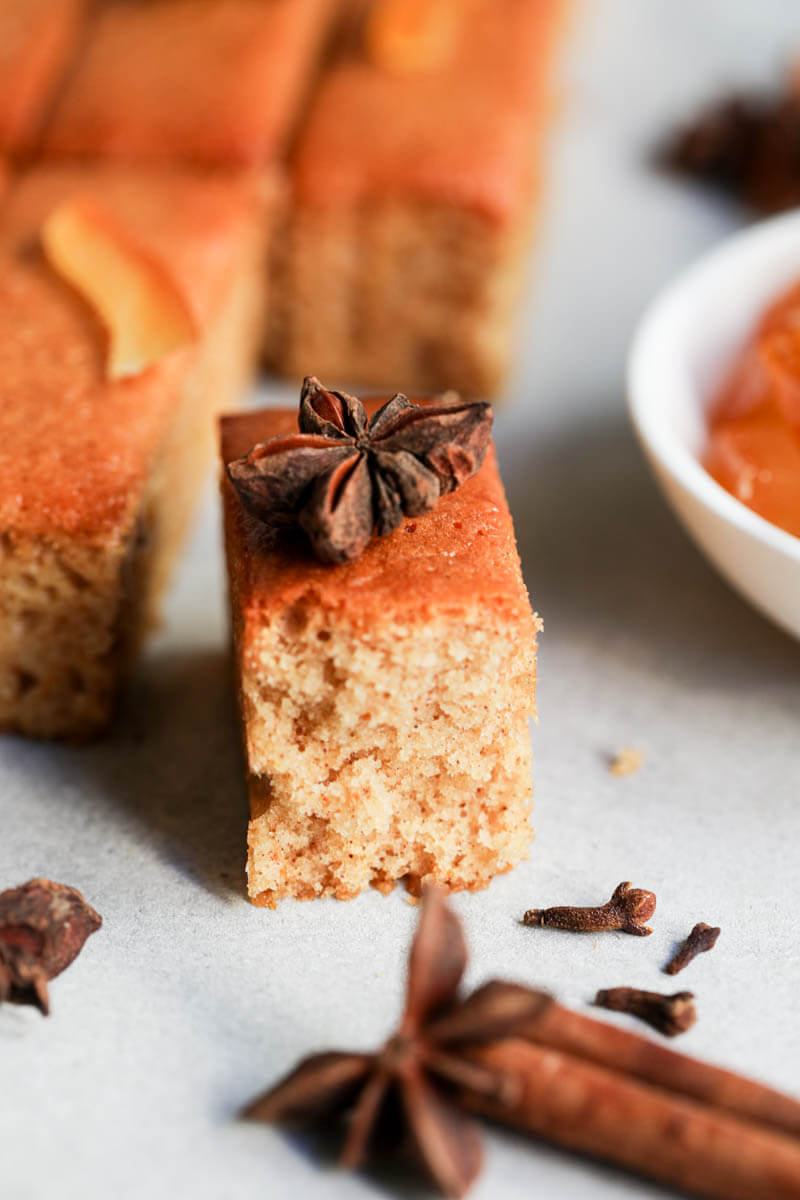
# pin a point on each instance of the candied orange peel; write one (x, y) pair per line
(132, 293)
(412, 35)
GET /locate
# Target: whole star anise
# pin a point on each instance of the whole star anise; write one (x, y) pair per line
(747, 145)
(419, 1063)
(43, 926)
(344, 475)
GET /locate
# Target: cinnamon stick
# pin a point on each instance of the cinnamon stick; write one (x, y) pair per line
(628, 1053)
(670, 1138)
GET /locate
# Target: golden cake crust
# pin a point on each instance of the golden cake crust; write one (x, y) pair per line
(75, 448)
(36, 40)
(460, 132)
(208, 80)
(460, 556)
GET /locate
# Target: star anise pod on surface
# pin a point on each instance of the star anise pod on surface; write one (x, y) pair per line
(345, 475)
(408, 1082)
(747, 145)
(43, 927)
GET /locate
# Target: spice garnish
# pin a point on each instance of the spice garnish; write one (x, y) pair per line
(560, 1075)
(670, 1015)
(747, 145)
(627, 910)
(43, 927)
(419, 1064)
(344, 474)
(703, 937)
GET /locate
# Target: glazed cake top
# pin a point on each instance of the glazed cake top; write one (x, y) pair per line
(36, 38)
(461, 556)
(76, 449)
(204, 80)
(461, 132)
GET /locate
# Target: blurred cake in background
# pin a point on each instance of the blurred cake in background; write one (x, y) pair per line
(37, 41)
(414, 186)
(208, 81)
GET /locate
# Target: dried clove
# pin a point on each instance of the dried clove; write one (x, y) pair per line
(627, 910)
(43, 927)
(703, 937)
(670, 1015)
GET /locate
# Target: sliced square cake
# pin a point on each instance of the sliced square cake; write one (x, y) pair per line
(98, 475)
(385, 701)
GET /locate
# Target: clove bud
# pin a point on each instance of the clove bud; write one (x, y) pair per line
(670, 1015)
(627, 910)
(703, 937)
(43, 927)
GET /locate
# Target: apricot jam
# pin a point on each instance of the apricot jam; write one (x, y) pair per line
(754, 445)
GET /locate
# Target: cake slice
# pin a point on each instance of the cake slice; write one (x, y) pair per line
(416, 180)
(384, 701)
(215, 81)
(37, 38)
(97, 477)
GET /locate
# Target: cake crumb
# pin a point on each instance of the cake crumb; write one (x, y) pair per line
(627, 760)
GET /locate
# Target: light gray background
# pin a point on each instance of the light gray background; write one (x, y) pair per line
(190, 1001)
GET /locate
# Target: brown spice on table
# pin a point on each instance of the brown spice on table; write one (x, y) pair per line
(670, 1015)
(627, 910)
(604, 1113)
(43, 927)
(702, 938)
(747, 145)
(418, 1064)
(344, 475)
(570, 1079)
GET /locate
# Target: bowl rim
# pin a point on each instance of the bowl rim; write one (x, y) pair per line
(658, 437)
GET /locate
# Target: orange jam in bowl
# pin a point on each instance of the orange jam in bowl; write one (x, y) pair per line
(754, 445)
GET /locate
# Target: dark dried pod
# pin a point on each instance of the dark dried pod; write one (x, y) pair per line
(43, 927)
(670, 1015)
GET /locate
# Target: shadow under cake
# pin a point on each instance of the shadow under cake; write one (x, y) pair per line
(98, 477)
(413, 194)
(384, 702)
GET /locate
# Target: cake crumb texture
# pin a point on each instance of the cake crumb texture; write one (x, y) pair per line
(400, 753)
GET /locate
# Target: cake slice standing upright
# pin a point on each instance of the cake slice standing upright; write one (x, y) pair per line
(384, 695)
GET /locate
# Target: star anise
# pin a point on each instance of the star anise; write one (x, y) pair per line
(344, 475)
(408, 1082)
(43, 926)
(748, 145)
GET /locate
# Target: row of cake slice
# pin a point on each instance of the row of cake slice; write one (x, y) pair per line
(409, 149)
(385, 702)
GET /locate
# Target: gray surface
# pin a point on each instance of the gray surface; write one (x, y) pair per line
(190, 1001)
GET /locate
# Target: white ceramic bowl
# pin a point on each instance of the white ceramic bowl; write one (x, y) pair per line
(682, 348)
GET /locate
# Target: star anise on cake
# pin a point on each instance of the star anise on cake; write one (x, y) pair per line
(345, 475)
(407, 1087)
